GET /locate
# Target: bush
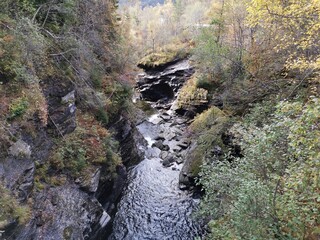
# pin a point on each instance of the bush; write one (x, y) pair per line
(90, 144)
(10, 209)
(272, 192)
(119, 100)
(210, 57)
(17, 108)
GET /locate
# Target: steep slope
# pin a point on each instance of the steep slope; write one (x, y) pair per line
(60, 91)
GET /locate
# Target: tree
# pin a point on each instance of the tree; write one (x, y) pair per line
(295, 25)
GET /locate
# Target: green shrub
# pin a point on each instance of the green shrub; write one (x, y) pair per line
(102, 116)
(17, 108)
(272, 192)
(209, 118)
(119, 101)
(96, 76)
(89, 145)
(10, 209)
(205, 83)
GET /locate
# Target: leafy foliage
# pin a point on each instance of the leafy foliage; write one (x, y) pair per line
(165, 55)
(272, 192)
(89, 144)
(209, 56)
(17, 108)
(295, 26)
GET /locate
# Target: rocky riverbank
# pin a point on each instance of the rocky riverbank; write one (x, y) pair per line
(154, 204)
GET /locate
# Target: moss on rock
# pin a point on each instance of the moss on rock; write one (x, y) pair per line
(166, 55)
(207, 128)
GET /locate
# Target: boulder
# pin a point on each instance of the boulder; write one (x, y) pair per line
(164, 85)
(168, 161)
(159, 144)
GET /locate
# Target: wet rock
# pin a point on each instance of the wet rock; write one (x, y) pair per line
(114, 189)
(183, 187)
(159, 138)
(153, 152)
(179, 161)
(188, 172)
(157, 121)
(161, 146)
(177, 149)
(168, 161)
(104, 220)
(130, 140)
(173, 144)
(165, 117)
(177, 131)
(164, 154)
(163, 85)
(183, 145)
(171, 136)
(180, 121)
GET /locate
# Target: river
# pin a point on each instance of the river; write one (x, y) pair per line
(152, 205)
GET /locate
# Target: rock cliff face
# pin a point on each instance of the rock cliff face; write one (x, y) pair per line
(73, 208)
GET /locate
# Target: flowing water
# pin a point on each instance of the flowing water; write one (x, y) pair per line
(153, 206)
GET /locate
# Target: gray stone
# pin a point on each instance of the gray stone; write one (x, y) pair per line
(20, 149)
(165, 117)
(179, 161)
(164, 154)
(56, 211)
(90, 183)
(159, 137)
(168, 161)
(69, 98)
(183, 145)
(159, 144)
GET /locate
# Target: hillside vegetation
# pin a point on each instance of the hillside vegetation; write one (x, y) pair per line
(64, 81)
(257, 160)
(61, 86)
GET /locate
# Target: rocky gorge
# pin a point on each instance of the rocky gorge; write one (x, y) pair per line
(153, 151)
(68, 208)
(154, 202)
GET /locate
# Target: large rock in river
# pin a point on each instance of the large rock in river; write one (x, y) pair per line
(164, 85)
